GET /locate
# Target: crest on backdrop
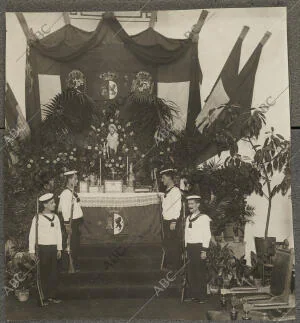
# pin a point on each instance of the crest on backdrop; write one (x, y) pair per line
(142, 84)
(77, 81)
(108, 85)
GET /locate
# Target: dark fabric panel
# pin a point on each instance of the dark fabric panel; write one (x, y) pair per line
(11, 113)
(194, 103)
(142, 221)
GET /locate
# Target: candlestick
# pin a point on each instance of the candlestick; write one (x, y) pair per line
(127, 168)
(100, 171)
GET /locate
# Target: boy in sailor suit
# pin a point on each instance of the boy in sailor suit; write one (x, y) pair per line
(49, 246)
(197, 239)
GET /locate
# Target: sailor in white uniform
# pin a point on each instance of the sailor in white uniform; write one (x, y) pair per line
(49, 246)
(171, 208)
(67, 197)
(197, 240)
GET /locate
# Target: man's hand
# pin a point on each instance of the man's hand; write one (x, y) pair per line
(58, 254)
(172, 226)
(32, 256)
(203, 255)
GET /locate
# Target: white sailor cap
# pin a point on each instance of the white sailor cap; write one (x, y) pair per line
(194, 197)
(70, 172)
(168, 171)
(46, 197)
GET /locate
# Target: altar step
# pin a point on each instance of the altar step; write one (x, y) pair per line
(110, 263)
(114, 276)
(145, 291)
(118, 270)
(128, 249)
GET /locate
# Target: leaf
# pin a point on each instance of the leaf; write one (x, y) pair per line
(280, 136)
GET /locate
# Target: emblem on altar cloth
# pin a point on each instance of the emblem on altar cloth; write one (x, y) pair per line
(108, 87)
(115, 223)
(143, 83)
(76, 80)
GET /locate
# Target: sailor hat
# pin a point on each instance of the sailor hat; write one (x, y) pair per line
(46, 197)
(168, 171)
(194, 197)
(70, 172)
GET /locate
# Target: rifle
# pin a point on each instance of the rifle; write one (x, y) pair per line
(71, 264)
(183, 255)
(38, 271)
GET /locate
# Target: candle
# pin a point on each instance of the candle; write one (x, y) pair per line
(127, 169)
(100, 171)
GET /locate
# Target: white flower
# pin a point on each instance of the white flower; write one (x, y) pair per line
(120, 158)
(71, 157)
(28, 166)
(168, 149)
(42, 157)
(131, 133)
(121, 139)
(89, 147)
(117, 164)
(74, 149)
(135, 148)
(102, 124)
(47, 161)
(74, 158)
(96, 148)
(161, 153)
(31, 161)
(109, 165)
(65, 154)
(111, 120)
(58, 159)
(119, 127)
(54, 162)
(72, 153)
(112, 160)
(143, 155)
(126, 149)
(98, 129)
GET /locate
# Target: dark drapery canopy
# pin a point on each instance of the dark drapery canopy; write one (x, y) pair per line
(109, 49)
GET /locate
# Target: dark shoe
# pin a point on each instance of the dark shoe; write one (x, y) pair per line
(188, 300)
(199, 301)
(54, 300)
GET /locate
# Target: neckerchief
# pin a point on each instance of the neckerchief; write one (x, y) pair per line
(168, 191)
(75, 195)
(49, 219)
(194, 219)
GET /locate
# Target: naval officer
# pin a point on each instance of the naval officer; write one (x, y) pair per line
(67, 197)
(49, 246)
(171, 208)
(197, 239)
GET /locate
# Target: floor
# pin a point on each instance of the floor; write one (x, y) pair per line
(129, 309)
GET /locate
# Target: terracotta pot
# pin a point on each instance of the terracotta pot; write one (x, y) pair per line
(22, 295)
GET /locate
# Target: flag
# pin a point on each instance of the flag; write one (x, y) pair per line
(224, 86)
(241, 94)
(14, 119)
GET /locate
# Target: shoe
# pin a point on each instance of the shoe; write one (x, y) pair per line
(54, 300)
(188, 299)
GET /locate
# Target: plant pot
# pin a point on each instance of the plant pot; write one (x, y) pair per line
(226, 282)
(213, 289)
(228, 231)
(265, 247)
(22, 295)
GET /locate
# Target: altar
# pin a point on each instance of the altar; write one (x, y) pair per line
(114, 217)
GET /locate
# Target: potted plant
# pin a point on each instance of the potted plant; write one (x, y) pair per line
(220, 263)
(267, 158)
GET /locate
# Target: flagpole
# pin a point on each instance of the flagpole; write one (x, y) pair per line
(265, 38)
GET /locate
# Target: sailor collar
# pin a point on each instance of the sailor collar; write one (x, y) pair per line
(49, 219)
(167, 191)
(74, 194)
(191, 220)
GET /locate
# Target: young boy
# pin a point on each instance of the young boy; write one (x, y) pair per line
(197, 239)
(49, 246)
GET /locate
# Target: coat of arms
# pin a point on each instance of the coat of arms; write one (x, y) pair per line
(143, 83)
(108, 87)
(115, 223)
(76, 80)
